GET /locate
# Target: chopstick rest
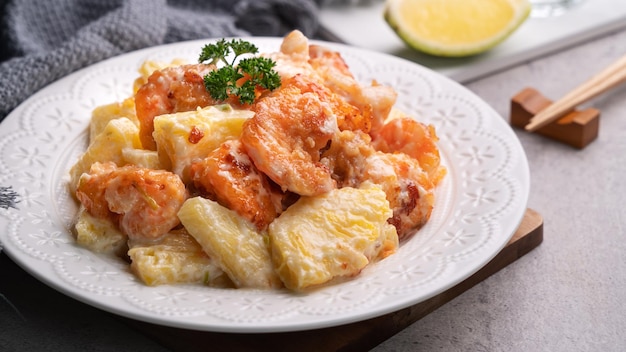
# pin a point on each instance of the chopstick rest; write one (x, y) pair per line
(576, 128)
(609, 78)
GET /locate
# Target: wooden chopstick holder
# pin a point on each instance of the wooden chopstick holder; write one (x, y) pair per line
(612, 76)
(577, 128)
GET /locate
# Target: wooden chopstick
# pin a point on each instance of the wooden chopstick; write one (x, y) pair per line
(607, 79)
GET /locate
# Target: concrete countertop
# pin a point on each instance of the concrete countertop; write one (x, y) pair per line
(566, 295)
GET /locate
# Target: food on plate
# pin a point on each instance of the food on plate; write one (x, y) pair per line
(142, 202)
(289, 128)
(404, 134)
(118, 134)
(175, 258)
(240, 249)
(172, 89)
(185, 137)
(455, 28)
(263, 171)
(97, 234)
(333, 235)
(229, 176)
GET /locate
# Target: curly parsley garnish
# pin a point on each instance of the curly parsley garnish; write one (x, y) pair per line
(226, 81)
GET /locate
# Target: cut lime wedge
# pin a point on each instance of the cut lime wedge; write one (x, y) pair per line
(455, 28)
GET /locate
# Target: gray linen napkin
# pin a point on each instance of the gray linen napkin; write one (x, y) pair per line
(43, 41)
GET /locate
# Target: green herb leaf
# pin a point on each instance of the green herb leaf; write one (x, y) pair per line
(214, 52)
(240, 47)
(223, 82)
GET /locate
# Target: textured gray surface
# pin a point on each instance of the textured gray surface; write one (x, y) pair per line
(47, 40)
(568, 294)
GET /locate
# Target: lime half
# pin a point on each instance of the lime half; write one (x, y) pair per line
(455, 28)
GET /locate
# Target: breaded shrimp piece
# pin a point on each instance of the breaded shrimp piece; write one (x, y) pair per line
(143, 202)
(408, 189)
(381, 99)
(295, 44)
(91, 188)
(290, 127)
(293, 57)
(172, 89)
(228, 176)
(346, 157)
(406, 135)
(374, 101)
(353, 160)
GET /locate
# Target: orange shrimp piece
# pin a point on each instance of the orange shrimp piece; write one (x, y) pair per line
(143, 202)
(293, 59)
(408, 189)
(173, 89)
(415, 139)
(320, 56)
(91, 188)
(374, 101)
(229, 176)
(346, 157)
(290, 127)
(353, 160)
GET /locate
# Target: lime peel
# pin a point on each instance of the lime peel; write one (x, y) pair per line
(455, 28)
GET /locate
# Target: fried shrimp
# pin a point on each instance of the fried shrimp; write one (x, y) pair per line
(290, 127)
(374, 101)
(228, 176)
(408, 189)
(143, 202)
(293, 57)
(353, 160)
(276, 171)
(172, 89)
(346, 157)
(406, 135)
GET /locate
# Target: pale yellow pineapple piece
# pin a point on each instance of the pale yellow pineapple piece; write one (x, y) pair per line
(186, 136)
(107, 146)
(99, 235)
(142, 158)
(101, 116)
(333, 235)
(175, 258)
(232, 241)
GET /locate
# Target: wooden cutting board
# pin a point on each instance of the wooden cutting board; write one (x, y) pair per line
(359, 336)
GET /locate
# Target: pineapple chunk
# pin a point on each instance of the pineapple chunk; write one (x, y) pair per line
(175, 258)
(148, 159)
(332, 235)
(107, 146)
(232, 241)
(98, 235)
(185, 136)
(101, 116)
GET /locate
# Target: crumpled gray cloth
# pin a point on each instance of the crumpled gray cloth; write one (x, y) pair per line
(46, 40)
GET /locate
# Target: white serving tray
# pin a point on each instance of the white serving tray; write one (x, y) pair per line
(364, 26)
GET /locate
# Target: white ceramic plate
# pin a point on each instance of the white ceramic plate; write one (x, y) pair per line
(479, 205)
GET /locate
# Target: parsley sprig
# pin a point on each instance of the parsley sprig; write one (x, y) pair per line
(225, 81)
